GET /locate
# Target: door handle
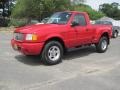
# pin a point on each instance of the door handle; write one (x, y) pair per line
(87, 29)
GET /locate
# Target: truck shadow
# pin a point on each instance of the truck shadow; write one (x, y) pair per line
(79, 52)
(72, 54)
(29, 60)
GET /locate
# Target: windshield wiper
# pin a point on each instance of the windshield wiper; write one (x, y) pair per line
(57, 23)
(54, 23)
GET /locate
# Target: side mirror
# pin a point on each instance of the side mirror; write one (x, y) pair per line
(74, 24)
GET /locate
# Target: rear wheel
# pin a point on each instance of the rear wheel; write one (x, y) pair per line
(52, 53)
(115, 34)
(102, 45)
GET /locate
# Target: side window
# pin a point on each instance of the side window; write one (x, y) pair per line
(79, 18)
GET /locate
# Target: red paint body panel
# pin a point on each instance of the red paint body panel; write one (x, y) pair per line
(71, 36)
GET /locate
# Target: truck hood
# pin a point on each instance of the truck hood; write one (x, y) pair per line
(37, 27)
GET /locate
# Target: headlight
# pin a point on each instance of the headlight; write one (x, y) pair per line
(31, 37)
(18, 36)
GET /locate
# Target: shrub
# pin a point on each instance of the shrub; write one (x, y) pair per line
(4, 22)
(17, 22)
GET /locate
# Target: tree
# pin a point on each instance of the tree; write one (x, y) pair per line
(54, 5)
(38, 8)
(75, 2)
(92, 13)
(6, 6)
(111, 10)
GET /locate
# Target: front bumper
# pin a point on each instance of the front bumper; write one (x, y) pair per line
(27, 48)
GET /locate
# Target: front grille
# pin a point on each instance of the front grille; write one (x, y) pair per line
(18, 36)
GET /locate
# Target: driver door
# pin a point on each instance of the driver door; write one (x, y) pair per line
(82, 31)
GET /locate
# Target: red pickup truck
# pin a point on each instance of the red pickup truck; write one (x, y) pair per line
(62, 31)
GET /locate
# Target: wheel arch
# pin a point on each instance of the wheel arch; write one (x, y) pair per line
(56, 38)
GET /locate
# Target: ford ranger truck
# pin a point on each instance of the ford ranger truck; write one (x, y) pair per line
(63, 30)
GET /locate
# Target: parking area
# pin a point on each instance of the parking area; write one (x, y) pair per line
(81, 69)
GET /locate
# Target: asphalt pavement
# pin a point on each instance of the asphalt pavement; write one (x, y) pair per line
(81, 69)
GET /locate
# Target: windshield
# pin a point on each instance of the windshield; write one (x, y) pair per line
(59, 18)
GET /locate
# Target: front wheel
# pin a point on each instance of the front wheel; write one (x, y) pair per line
(102, 45)
(52, 53)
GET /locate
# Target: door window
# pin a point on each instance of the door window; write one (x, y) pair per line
(80, 19)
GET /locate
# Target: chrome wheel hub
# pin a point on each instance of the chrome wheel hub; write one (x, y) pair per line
(104, 44)
(115, 35)
(54, 53)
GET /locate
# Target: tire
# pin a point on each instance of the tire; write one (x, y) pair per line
(52, 53)
(115, 34)
(102, 46)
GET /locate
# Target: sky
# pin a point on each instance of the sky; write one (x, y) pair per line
(95, 3)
